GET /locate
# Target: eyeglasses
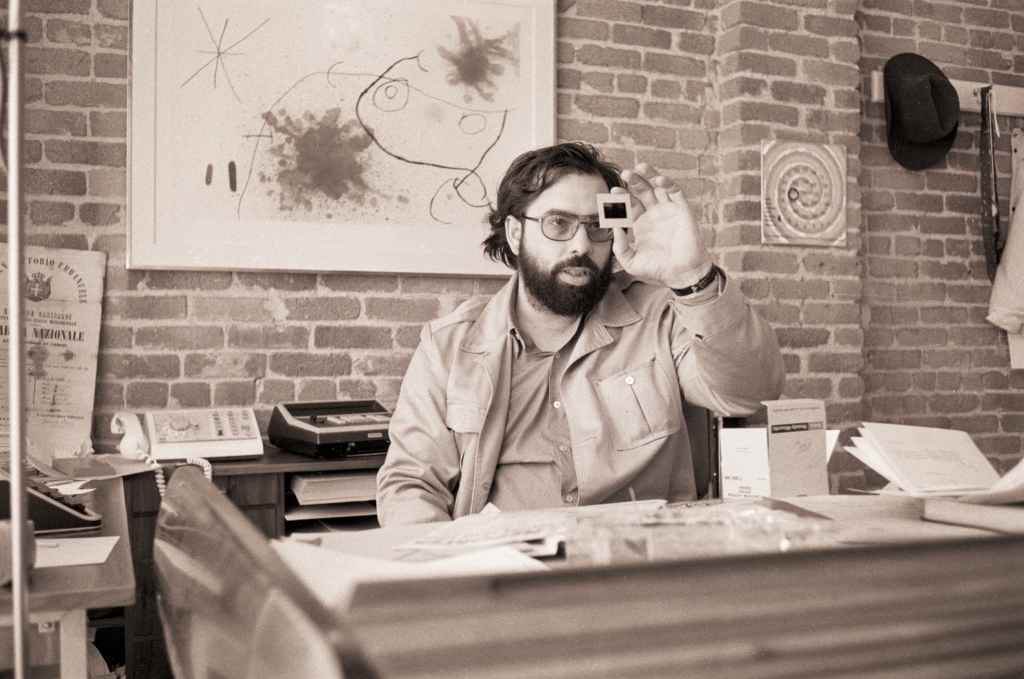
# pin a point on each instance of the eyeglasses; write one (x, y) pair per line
(562, 227)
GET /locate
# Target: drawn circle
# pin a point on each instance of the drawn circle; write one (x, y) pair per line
(391, 95)
(804, 189)
(472, 123)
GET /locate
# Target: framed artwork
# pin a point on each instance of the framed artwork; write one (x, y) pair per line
(803, 194)
(330, 135)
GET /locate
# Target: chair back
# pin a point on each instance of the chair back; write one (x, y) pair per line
(230, 607)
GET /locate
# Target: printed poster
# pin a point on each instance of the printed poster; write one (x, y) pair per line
(63, 307)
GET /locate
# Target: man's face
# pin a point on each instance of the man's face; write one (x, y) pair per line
(567, 277)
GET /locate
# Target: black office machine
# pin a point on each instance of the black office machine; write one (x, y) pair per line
(330, 429)
(50, 510)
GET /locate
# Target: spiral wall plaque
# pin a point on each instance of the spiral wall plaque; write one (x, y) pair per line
(803, 193)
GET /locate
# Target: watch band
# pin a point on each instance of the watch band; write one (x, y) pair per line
(699, 285)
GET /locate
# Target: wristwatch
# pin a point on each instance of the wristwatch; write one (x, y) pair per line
(699, 285)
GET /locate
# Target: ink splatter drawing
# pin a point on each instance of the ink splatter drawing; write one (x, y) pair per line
(331, 119)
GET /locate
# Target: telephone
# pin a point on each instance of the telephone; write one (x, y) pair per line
(211, 433)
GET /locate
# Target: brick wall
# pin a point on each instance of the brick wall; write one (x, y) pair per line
(930, 357)
(890, 327)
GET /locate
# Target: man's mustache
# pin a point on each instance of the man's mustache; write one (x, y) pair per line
(577, 261)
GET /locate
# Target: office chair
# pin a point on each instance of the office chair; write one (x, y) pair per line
(230, 607)
(701, 424)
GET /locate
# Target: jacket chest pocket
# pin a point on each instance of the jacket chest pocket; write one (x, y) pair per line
(641, 404)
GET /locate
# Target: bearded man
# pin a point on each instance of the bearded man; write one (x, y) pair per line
(566, 387)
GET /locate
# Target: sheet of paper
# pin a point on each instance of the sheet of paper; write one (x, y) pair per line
(931, 459)
(52, 552)
(333, 576)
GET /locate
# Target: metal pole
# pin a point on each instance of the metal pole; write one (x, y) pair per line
(16, 363)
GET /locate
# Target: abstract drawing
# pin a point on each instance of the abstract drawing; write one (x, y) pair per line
(352, 135)
(803, 194)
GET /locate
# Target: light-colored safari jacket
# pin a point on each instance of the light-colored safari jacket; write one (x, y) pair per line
(640, 352)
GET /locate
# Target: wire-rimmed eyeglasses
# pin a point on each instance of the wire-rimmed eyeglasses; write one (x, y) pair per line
(562, 227)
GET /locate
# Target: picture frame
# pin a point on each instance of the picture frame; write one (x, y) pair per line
(342, 135)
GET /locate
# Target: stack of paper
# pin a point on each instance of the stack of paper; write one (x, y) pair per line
(930, 462)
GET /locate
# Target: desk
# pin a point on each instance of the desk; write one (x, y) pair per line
(62, 595)
(950, 604)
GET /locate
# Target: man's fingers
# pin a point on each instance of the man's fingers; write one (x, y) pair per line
(641, 189)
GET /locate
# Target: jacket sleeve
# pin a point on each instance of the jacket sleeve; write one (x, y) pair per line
(727, 357)
(416, 484)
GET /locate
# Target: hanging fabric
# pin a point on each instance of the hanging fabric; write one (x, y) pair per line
(989, 192)
(1006, 304)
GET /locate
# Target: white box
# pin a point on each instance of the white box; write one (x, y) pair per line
(786, 459)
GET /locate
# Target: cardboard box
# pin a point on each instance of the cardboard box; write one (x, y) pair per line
(786, 459)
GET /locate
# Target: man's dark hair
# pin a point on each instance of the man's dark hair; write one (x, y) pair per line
(530, 175)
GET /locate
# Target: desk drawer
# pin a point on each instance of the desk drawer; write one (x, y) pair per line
(252, 490)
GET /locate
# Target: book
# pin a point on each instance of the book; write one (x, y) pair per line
(932, 462)
(1008, 518)
(329, 487)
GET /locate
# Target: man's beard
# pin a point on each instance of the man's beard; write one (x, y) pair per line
(562, 298)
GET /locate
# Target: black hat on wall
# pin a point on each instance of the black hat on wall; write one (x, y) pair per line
(922, 111)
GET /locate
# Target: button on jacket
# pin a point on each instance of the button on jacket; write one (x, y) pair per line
(641, 351)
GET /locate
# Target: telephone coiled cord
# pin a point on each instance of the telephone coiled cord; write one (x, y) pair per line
(161, 480)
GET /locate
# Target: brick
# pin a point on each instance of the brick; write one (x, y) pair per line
(291, 282)
(834, 362)
(76, 33)
(129, 366)
(643, 135)
(600, 82)
(114, 9)
(44, 213)
(224, 365)
(624, 34)
(108, 124)
(106, 183)
(86, 94)
(674, 113)
(179, 338)
(352, 337)
(605, 106)
(609, 57)
(404, 310)
(58, 123)
(54, 61)
(238, 309)
(630, 83)
(305, 364)
(53, 182)
(322, 308)
(190, 395)
(612, 10)
(390, 364)
(757, 62)
(188, 280)
(268, 337)
(669, 17)
(568, 79)
(686, 67)
(59, 6)
(274, 391)
(582, 29)
(110, 65)
(750, 111)
(666, 89)
(234, 393)
(111, 37)
(581, 130)
(695, 43)
(100, 214)
(830, 26)
(145, 308)
(799, 338)
(798, 92)
(831, 314)
(75, 152)
(317, 390)
(146, 395)
(759, 14)
(819, 388)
